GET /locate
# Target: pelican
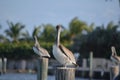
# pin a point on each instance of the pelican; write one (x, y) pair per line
(61, 53)
(39, 50)
(116, 59)
(114, 56)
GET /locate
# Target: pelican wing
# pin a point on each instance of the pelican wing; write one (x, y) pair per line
(68, 53)
(43, 51)
(116, 58)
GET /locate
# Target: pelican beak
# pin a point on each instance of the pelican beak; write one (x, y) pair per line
(62, 27)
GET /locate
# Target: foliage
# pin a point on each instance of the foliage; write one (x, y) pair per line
(14, 30)
(16, 50)
(26, 36)
(76, 26)
(21, 50)
(48, 33)
(36, 31)
(65, 36)
(99, 41)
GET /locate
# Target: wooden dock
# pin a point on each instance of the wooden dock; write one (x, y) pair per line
(84, 69)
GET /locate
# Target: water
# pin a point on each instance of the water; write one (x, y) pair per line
(23, 76)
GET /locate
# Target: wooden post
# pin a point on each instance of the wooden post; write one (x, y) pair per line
(0, 66)
(1, 71)
(91, 66)
(4, 65)
(114, 71)
(63, 73)
(42, 69)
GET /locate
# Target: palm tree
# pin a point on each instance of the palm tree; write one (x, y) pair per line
(110, 25)
(2, 37)
(14, 31)
(76, 27)
(0, 26)
(48, 33)
(90, 28)
(36, 31)
(26, 35)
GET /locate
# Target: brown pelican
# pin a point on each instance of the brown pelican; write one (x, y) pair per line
(114, 56)
(116, 59)
(39, 50)
(61, 53)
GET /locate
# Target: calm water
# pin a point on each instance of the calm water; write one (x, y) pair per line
(21, 76)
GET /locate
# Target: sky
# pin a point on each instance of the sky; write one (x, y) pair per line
(37, 12)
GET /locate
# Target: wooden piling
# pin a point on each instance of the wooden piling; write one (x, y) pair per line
(42, 68)
(64, 73)
(91, 65)
(4, 65)
(1, 66)
(114, 71)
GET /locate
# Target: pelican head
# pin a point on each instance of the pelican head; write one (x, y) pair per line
(60, 27)
(113, 50)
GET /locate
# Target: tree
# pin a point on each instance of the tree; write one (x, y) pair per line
(65, 36)
(36, 31)
(14, 31)
(48, 33)
(0, 26)
(26, 35)
(2, 37)
(76, 26)
(110, 25)
(99, 41)
(90, 28)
